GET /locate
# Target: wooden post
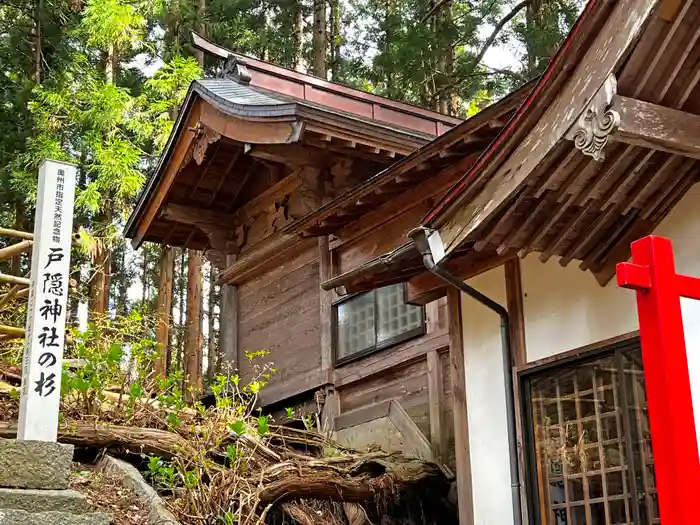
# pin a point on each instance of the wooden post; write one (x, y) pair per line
(165, 298)
(326, 304)
(211, 341)
(228, 322)
(514, 301)
(459, 395)
(193, 351)
(516, 315)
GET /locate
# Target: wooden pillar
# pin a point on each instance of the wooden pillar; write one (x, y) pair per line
(514, 302)
(165, 298)
(228, 322)
(193, 339)
(459, 395)
(211, 341)
(516, 316)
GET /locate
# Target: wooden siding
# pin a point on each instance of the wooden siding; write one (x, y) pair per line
(400, 373)
(279, 312)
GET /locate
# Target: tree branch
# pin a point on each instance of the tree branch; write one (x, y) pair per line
(496, 30)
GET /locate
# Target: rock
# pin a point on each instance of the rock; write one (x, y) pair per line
(35, 464)
(133, 479)
(22, 517)
(45, 500)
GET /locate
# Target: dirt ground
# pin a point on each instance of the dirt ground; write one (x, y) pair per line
(108, 494)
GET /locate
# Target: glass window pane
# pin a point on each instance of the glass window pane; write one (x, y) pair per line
(356, 325)
(394, 317)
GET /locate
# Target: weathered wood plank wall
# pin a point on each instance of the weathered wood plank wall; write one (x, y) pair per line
(279, 312)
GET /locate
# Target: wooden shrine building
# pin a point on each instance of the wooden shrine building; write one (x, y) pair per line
(603, 150)
(304, 194)
(254, 154)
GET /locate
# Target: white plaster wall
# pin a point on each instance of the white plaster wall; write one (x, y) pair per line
(486, 405)
(566, 308)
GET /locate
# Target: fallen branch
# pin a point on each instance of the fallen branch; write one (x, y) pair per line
(360, 489)
(117, 440)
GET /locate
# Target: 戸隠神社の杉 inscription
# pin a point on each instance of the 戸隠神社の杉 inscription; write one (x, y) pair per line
(48, 296)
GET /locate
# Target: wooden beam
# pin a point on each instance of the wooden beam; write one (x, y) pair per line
(410, 431)
(401, 355)
(427, 287)
(171, 170)
(283, 131)
(516, 310)
(657, 127)
(465, 495)
(291, 154)
(194, 216)
(193, 337)
(435, 400)
(15, 249)
(165, 296)
(602, 59)
(433, 185)
(362, 415)
(261, 259)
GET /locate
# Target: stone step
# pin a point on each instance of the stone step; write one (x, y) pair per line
(22, 517)
(33, 500)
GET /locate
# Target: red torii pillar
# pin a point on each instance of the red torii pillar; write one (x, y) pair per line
(673, 427)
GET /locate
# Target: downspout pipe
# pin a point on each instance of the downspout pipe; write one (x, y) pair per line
(420, 240)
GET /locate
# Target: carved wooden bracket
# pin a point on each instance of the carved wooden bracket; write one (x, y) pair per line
(598, 122)
(278, 216)
(203, 137)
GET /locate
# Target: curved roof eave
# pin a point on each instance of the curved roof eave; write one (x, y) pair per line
(488, 161)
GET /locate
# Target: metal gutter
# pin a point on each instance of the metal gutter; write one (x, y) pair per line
(383, 262)
(420, 237)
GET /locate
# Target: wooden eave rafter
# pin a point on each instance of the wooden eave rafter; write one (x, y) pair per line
(589, 179)
(462, 144)
(207, 122)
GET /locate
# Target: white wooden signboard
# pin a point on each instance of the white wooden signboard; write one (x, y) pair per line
(48, 296)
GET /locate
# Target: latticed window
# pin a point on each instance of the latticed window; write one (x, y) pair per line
(373, 320)
(591, 449)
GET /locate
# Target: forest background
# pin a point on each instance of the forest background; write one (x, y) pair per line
(98, 83)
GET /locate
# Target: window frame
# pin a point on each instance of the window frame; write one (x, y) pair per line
(397, 339)
(611, 348)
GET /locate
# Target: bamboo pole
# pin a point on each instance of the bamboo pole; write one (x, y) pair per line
(13, 279)
(10, 295)
(11, 330)
(17, 332)
(14, 249)
(24, 292)
(6, 232)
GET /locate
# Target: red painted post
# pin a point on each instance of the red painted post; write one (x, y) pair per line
(674, 441)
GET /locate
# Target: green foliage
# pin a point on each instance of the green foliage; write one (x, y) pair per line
(263, 426)
(112, 23)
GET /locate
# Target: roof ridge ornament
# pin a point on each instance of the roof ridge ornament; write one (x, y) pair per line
(236, 69)
(594, 127)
